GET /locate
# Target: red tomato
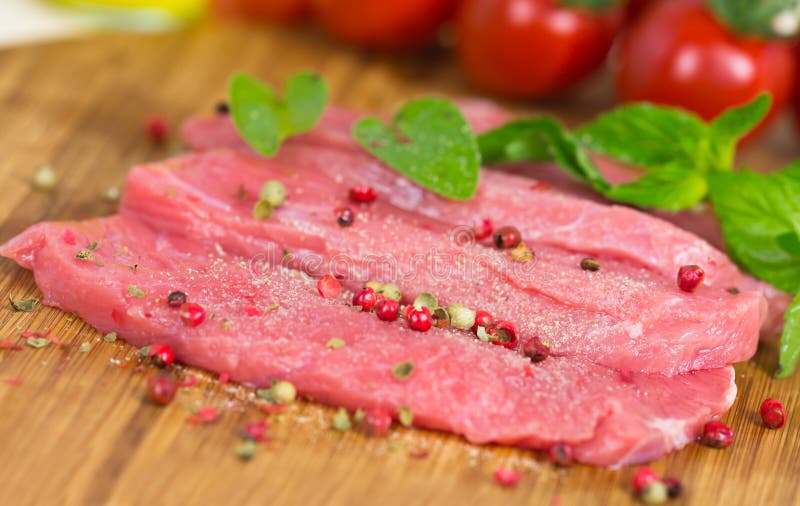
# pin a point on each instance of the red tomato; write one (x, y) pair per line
(531, 48)
(383, 24)
(678, 54)
(636, 8)
(283, 11)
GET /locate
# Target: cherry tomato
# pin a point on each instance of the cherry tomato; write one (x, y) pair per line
(636, 8)
(678, 54)
(383, 24)
(531, 48)
(282, 11)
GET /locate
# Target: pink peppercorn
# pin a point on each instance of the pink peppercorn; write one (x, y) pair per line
(773, 413)
(690, 277)
(156, 128)
(420, 319)
(192, 314)
(329, 287)
(507, 237)
(482, 319)
(161, 389)
(387, 309)
(483, 229)
(643, 477)
(376, 422)
(161, 354)
(365, 299)
(363, 194)
(507, 477)
(717, 435)
(504, 333)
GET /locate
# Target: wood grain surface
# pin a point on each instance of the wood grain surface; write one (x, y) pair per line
(76, 429)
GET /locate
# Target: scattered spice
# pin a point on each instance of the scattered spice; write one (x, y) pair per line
(136, 292)
(176, 299)
(734, 291)
(560, 454)
(84, 348)
(92, 245)
(654, 493)
(161, 389)
(111, 195)
(188, 381)
(133, 267)
(387, 310)
(341, 421)
(483, 229)
(192, 314)
(461, 317)
(203, 416)
(426, 300)
(504, 333)
(246, 450)
(507, 477)
(403, 370)
(643, 477)
(262, 210)
(418, 454)
(85, 255)
(405, 415)
(161, 354)
(590, 264)
(376, 422)
(14, 382)
(37, 342)
(329, 287)
(283, 392)
(536, 350)
(690, 277)
(365, 299)
(507, 237)
(674, 487)
(716, 435)
(482, 334)
(363, 194)
(420, 319)
(441, 318)
(255, 431)
(483, 319)
(773, 413)
(222, 108)
(110, 337)
(335, 343)
(6, 344)
(26, 305)
(273, 192)
(344, 216)
(521, 254)
(156, 128)
(44, 178)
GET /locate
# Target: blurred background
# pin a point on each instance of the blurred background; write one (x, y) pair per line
(702, 55)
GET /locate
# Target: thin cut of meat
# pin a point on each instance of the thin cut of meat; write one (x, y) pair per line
(624, 316)
(272, 325)
(548, 215)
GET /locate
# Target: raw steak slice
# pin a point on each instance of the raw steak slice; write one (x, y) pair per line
(623, 316)
(549, 215)
(483, 392)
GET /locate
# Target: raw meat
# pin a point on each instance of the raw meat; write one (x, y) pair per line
(624, 316)
(579, 224)
(484, 392)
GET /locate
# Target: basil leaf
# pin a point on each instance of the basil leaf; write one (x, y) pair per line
(647, 135)
(265, 120)
(732, 124)
(430, 142)
(672, 187)
(760, 216)
(761, 19)
(790, 341)
(538, 140)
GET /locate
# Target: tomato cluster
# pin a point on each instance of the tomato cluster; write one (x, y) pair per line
(675, 52)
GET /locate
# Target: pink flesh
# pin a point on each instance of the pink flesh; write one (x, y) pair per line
(647, 325)
(552, 215)
(484, 392)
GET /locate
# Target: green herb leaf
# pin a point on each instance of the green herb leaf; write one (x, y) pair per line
(265, 120)
(790, 340)
(647, 135)
(144, 352)
(405, 415)
(136, 292)
(760, 19)
(736, 121)
(430, 142)
(26, 305)
(341, 421)
(403, 370)
(335, 343)
(760, 216)
(110, 337)
(541, 139)
(671, 187)
(37, 342)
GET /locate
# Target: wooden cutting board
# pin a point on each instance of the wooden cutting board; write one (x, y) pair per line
(74, 428)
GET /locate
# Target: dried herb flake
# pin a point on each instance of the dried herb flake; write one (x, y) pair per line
(341, 421)
(110, 337)
(85, 254)
(84, 348)
(403, 370)
(335, 343)
(136, 292)
(27, 305)
(246, 450)
(405, 415)
(37, 342)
